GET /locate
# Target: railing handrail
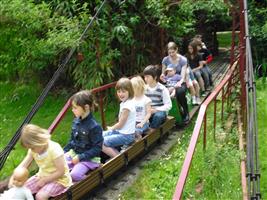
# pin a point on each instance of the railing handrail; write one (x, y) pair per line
(65, 108)
(192, 145)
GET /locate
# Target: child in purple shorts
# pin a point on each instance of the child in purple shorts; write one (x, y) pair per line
(83, 149)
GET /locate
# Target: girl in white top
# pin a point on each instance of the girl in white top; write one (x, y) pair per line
(142, 106)
(123, 132)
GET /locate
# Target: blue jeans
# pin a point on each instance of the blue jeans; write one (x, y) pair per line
(143, 129)
(114, 138)
(157, 119)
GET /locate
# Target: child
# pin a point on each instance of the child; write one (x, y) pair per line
(123, 132)
(171, 79)
(196, 63)
(193, 87)
(159, 94)
(53, 177)
(86, 139)
(20, 176)
(142, 106)
(206, 58)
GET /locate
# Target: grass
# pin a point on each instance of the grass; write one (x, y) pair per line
(262, 132)
(16, 101)
(224, 39)
(210, 170)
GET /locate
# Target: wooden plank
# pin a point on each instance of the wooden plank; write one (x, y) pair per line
(136, 149)
(113, 166)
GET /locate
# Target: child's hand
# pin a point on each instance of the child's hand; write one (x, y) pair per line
(153, 110)
(178, 84)
(109, 128)
(140, 125)
(75, 160)
(41, 182)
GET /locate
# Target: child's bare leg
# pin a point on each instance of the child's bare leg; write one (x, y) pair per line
(196, 88)
(110, 151)
(42, 195)
(192, 90)
(172, 91)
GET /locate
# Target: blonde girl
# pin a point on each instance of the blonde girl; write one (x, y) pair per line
(53, 177)
(123, 132)
(142, 106)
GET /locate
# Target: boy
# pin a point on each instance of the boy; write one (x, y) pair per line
(159, 95)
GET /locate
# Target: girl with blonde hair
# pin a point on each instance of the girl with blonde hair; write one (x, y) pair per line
(142, 106)
(53, 177)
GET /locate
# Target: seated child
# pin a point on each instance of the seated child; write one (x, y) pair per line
(142, 106)
(159, 95)
(123, 132)
(53, 177)
(18, 191)
(171, 79)
(85, 144)
(193, 86)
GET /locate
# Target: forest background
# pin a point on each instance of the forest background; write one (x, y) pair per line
(36, 36)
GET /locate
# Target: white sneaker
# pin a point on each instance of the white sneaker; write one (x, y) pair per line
(198, 100)
(194, 100)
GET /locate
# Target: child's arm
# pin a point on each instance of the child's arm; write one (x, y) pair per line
(60, 170)
(123, 118)
(200, 64)
(148, 113)
(69, 145)
(183, 76)
(167, 103)
(26, 162)
(97, 140)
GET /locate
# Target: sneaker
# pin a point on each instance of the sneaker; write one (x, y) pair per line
(198, 100)
(194, 100)
(123, 148)
(186, 119)
(209, 88)
(203, 94)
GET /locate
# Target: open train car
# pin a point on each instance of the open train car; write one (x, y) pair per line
(108, 169)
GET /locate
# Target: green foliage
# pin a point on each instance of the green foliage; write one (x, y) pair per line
(31, 37)
(258, 31)
(224, 39)
(262, 133)
(36, 35)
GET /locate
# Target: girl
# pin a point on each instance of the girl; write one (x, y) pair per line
(86, 139)
(53, 177)
(196, 64)
(193, 86)
(142, 106)
(180, 63)
(123, 132)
